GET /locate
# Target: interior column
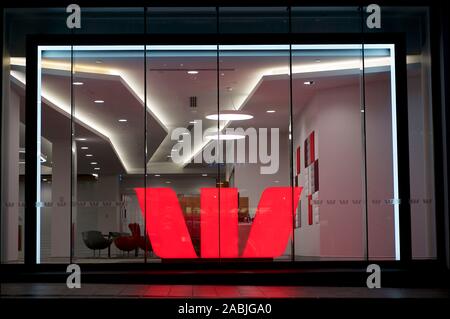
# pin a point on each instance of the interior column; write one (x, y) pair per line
(61, 198)
(10, 174)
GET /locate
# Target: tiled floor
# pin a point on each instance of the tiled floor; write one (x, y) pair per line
(48, 290)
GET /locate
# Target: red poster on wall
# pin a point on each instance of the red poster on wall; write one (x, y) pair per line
(309, 151)
(312, 154)
(310, 210)
(316, 175)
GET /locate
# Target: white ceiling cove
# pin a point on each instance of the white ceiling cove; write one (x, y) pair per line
(239, 78)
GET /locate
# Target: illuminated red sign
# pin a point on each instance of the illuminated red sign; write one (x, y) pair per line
(269, 234)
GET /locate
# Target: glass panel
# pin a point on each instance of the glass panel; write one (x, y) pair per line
(181, 20)
(109, 126)
(18, 23)
(253, 20)
(328, 126)
(182, 90)
(328, 152)
(381, 150)
(105, 20)
(326, 20)
(356, 215)
(413, 24)
(54, 147)
(254, 132)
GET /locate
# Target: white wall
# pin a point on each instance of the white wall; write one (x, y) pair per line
(251, 183)
(334, 115)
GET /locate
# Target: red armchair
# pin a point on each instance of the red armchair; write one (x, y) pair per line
(127, 243)
(133, 242)
(140, 240)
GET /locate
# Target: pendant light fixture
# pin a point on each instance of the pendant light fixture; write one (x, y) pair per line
(224, 137)
(230, 115)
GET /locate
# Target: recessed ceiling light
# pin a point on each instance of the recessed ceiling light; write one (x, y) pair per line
(123, 120)
(99, 101)
(81, 139)
(270, 111)
(78, 83)
(94, 163)
(89, 155)
(95, 175)
(185, 133)
(157, 175)
(44, 179)
(99, 61)
(222, 74)
(169, 156)
(168, 182)
(204, 175)
(276, 182)
(229, 89)
(97, 168)
(308, 82)
(192, 122)
(84, 147)
(192, 72)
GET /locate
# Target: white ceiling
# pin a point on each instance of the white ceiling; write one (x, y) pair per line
(245, 81)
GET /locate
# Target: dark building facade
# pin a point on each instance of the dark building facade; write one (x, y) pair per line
(283, 134)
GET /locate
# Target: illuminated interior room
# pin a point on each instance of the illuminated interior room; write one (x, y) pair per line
(285, 143)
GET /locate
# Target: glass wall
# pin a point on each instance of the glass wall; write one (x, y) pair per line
(18, 25)
(413, 24)
(109, 121)
(328, 141)
(54, 137)
(180, 147)
(181, 166)
(257, 160)
(382, 152)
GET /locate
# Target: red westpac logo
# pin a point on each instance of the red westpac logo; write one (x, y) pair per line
(269, 233)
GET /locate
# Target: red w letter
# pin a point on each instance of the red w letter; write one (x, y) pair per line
(215, 222)
(273, 223)
(165, 223)
(270, 232)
